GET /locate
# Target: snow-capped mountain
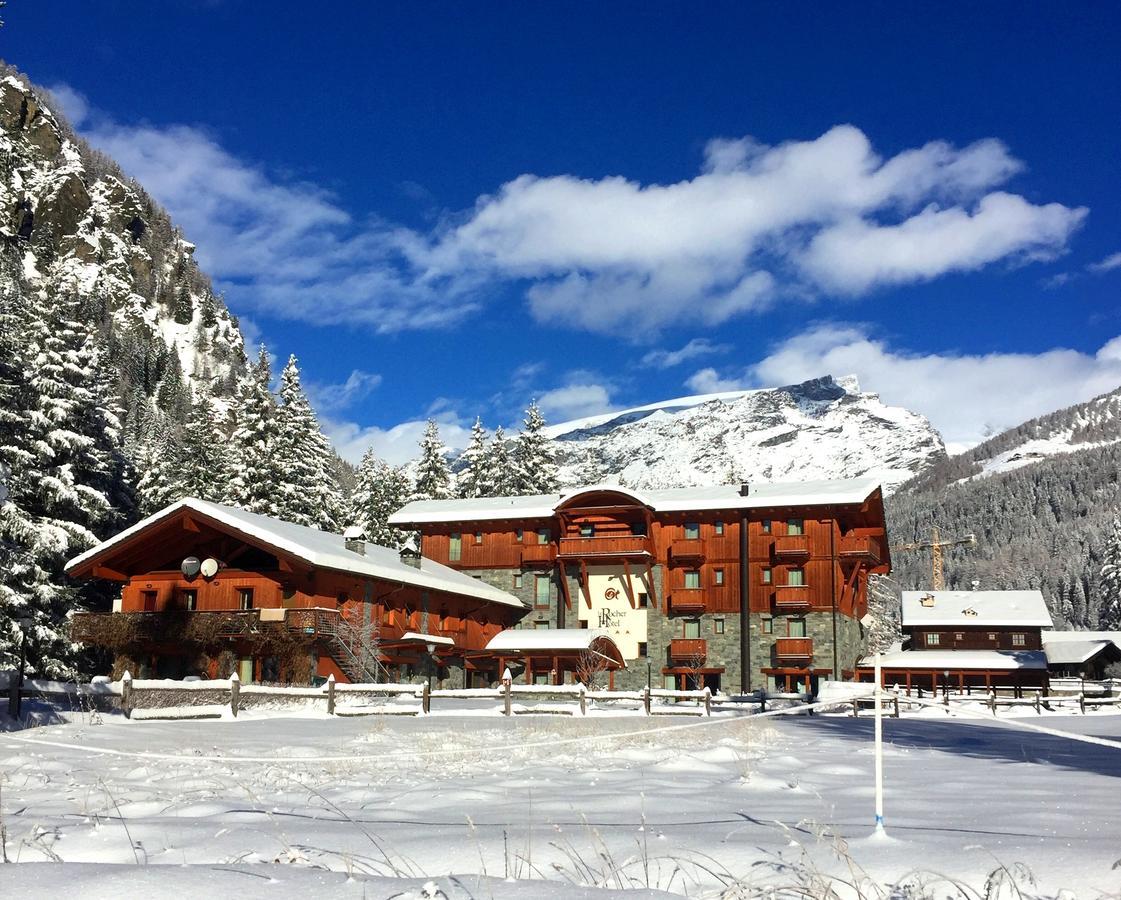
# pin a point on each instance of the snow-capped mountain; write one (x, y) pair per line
(82, 228)
(824, 428)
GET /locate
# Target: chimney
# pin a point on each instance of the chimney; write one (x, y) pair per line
(745, 489)
(410, 556)
(354, 539)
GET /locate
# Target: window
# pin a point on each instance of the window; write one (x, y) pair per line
(766, 576)
(478, 537)
(540, 624)
(643, 600)
(544, 535)
(245, 598)
(1018, 640)
(149, 598)
(933, 639)
(796, 577)
(638, 529)
(190, 600)
(718, 576)
(541, 590)
(768, 625)
(693, 580)
(583, 623)
(719, 528)
(795, 526)
(992, 635)
(796, 627)
(692, 531)
(642, 649)
(518, 535)
(540, 677)
(766, 526)
(718, 626)
(669, 682)
(959, 636)
(517, 579)
(692, 628)
(587, 530)
(455, 546)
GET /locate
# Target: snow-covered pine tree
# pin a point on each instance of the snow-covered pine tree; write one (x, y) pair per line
(884, 609)
(1109, 618)
(379, 491)
(475, 480)
(433, 480)
(159, 462)
(535, 467)
(258, 470)
(499, 466)
(309, 494)
(204, 462)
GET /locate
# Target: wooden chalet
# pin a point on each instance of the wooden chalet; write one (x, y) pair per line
(731, 586)
(1082, 654)
(960, 640)
(208, 589)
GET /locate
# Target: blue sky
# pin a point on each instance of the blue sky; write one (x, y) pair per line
(447, 209)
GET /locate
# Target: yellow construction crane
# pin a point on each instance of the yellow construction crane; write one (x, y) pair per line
(935, 545)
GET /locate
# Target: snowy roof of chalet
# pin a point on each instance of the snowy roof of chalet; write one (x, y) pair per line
(427, 638)
(687, 499)
(519, 640)
(1057, 636)
(321, 549)
(959, 659)
(1073, 652)
(1025, 608)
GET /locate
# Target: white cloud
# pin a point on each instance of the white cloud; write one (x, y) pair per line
(332, 397)
(962, 394)
(574, 401)
(397, 444)
(755, 224)
(1111, 262)
(708, 381)
(697, 347)
(75, 107)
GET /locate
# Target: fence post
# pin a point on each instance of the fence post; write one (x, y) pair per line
(1037, 703)
(126, 694)
(646, 699)
(992, 701)
(946, 699)
(235, 693)
(583, 700)
(896, 699)
(509, 707)
(855, 708)
(426, 699)
(13, 693)
(708, 701)
(1082, 702)
(330, 695)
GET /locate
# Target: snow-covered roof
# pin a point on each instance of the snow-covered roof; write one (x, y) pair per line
(1056, 636)
(427, 638)
(1025, 608)
(320, 549)
(1073, 652)
(519, 640)
(687, 499)
(960, 659)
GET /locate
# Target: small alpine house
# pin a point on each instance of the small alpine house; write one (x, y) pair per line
(208, 590)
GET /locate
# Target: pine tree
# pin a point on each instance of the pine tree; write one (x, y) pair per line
(1109, 617)
(204, 462)
(886, 614)
(433, 480)
(257, 468)
(309, 494)
(535, 468)
(499, 466)
(159, 462)
(379, 491)
(173, 396)
(475, 480)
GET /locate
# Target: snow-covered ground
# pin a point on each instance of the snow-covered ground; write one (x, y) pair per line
(377, 806)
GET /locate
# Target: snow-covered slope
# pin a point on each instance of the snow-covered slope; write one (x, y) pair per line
(824, 428)
(82, 228)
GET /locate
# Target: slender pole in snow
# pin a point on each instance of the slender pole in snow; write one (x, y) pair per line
(879, 750)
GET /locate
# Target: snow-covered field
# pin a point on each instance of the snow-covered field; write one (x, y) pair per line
(377, 807)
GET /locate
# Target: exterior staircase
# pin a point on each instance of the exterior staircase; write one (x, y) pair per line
(355, 649)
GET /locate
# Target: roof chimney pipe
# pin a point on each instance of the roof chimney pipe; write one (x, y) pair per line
(354, 539)
(410, 556)
(745, 489)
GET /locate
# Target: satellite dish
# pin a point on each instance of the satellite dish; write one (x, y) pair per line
(190, 567)
(209, 567)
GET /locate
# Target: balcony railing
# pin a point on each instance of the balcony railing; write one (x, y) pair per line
(686, 551)
(687, 601)
(863, 547)
(792, 545)
(538, 554)
(687, 649)
(613, 545)
(794, 648)
(792, 597)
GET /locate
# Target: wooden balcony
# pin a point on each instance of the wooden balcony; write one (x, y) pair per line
(687, 650)
(862, 548)
(605, 547)
(792, 597)
(538, 554)
(109, 629)
(792, 546)
(687, 600)
(686, 552)
(790, 649)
